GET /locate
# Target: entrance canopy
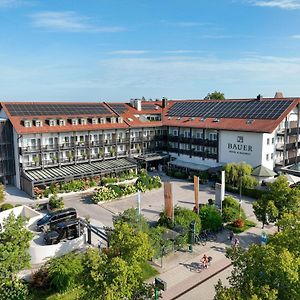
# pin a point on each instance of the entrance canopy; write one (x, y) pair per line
(78, 171)
(152, 157)
(189, 165)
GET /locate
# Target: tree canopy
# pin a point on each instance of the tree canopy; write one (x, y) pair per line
(279, 200)
(266, 272)
(215, 96)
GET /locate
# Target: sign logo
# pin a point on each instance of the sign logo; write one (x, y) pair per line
(240, 139)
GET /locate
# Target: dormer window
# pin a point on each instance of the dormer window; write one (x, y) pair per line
(83, 121)
(62, 122)
(112, 120)
(52, 122)
(38, 123)
(74, 121)
(94, 120)
(27, 123)
(120, 120)
(102, 120)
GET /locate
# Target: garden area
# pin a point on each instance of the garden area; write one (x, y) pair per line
(109, 187)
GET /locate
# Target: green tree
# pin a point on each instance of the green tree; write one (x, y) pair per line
(117, 273)
(14, 255)
(215, 96)
(64, 272)
(211, 218)
(279, 200)
(267, 272)
(2, 193)
(236, 174)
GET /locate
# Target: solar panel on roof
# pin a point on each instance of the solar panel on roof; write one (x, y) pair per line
(119, 108)
(235, 109)
(57, 109)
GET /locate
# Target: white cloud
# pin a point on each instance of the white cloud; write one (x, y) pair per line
(179, 51)
(296, 36)
(129, 52)
(68, 21)
(184, 23)
(12, 3)
(283, 4)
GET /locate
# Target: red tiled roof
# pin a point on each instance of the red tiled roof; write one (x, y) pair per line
(130, 117)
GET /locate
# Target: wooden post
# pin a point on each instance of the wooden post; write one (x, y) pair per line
(168, 199)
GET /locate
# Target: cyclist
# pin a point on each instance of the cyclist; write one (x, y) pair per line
(205, 261)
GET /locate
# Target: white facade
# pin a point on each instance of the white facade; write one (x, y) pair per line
(250, 147)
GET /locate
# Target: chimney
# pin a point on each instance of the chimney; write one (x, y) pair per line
(136, 103)
(259, 97)
(278, 95)
(164, 102)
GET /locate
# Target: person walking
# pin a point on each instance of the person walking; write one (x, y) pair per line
(236, 242)
(231, 236)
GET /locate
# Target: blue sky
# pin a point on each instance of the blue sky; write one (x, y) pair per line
(114, 50)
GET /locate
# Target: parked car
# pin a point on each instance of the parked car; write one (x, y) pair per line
(53, 218)
(67, 230)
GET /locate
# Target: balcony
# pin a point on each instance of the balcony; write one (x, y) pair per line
(50, 163)
(50, 147)
(29, 149)
(137, 139)
(66, 146)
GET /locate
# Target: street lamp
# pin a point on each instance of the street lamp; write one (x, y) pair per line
(240, 173)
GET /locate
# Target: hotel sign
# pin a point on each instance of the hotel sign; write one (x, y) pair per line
(239, 147)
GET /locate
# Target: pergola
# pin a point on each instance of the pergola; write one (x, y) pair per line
(32, 178)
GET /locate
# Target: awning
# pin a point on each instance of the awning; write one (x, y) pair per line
(152, 157)
(79, 171)
(262, 171)
(189, 165)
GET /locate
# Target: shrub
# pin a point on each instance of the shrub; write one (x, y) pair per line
(116, 189)
(108, 180)
(40, 278)
(239, 223)
(180, 175)
(2, 193)
(128, 189)
(229, 201)
(56, 202)
(13, 290)
(211, 218)
(104, 193)
(64, 272)
(6, 206)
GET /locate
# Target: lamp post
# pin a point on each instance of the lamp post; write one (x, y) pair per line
(240, 200)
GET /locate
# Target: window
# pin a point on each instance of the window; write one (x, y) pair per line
(272, 141)
(74, 121)
(94, 121)
(267, 156)
(175, 132)
(62, 122)
(83, 121)
(102, 121)
(272, 155)
(27, 123)
(268, 141)
(38, 123)
(52, 122)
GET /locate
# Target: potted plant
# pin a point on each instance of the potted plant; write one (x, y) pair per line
(69, 156)
(112, 152)
(36, 160)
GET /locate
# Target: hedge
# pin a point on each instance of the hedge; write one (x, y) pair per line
(252, 193)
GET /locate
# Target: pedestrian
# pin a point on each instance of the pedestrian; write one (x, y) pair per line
(205, 261)
(231, 235)
(236, 242)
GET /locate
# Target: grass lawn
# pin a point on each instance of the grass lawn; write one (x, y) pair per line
(40, 294)
(248, 224)
(148, 271)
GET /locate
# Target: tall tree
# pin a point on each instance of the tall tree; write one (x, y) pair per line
(14, 245)
(215, 96)
(14, 256)
(280, 199)
(267, 272)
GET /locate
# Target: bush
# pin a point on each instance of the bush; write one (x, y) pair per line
(64, 272)
(108, 180)
(104, 193)
(128, 189)
(229, 201)
(182, 218)
(231, 210)
(252, 193)
(239, 223)
(116, 189)
(247, 224)
(40, 278)
(13, 290)
(211, 218)
(56, 202)
(6, 206)
(2, 193)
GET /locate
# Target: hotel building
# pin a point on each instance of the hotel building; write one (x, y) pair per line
(41, 142)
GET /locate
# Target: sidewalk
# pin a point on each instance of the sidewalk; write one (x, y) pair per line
(177, 268)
